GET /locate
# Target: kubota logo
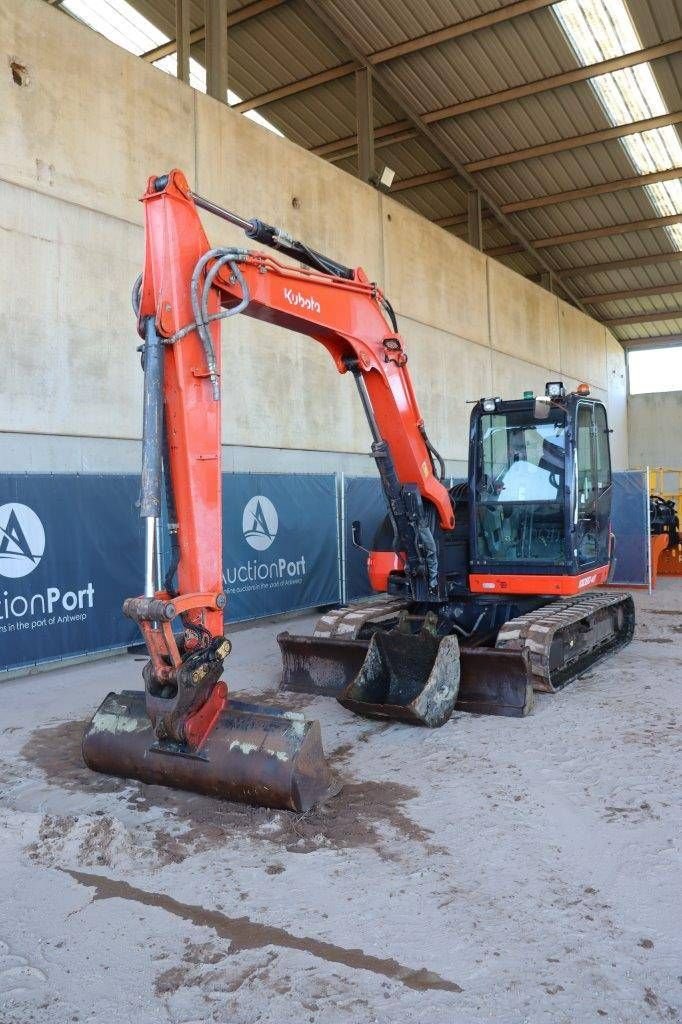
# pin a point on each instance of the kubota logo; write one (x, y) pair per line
(260, 522)
(305, 302)
(22, 540)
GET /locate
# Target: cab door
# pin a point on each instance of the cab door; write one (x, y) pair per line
(592, 481)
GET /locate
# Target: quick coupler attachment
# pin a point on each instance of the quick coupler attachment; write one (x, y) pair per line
(254, 754)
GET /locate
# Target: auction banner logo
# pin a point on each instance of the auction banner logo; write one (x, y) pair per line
(260, 522)
(22, 540)
(22, 546)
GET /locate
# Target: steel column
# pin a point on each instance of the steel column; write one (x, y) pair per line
(182, 38)
(216, 48)
(364, 112)
(474, 219)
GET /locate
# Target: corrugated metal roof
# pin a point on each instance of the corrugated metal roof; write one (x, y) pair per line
(293, 40)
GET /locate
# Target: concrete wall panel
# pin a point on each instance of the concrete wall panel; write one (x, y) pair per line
(432, 276)
(523, 317)
(654, 421)
(68, 330)
(119, 119)
(583, 346)
(511, 376)
(284, 390)
(617, 401)
(447, 372)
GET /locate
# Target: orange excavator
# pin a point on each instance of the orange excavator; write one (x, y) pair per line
(483, 563)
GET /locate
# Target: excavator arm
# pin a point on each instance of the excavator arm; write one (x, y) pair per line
(185, 282)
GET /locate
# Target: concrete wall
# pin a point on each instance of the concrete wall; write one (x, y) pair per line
(77, 144)
(654, 422)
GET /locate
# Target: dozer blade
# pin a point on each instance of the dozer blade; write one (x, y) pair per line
(255, 754)
(492, 682)
(320, 665)
(410, 677)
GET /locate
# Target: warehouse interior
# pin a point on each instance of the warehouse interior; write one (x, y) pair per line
(507, 174)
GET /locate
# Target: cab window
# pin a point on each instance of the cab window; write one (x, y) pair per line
(602, 449)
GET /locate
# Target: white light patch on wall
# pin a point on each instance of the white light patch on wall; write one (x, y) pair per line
(597, 31)
(119, 22)
(197, 74)
(657, 369)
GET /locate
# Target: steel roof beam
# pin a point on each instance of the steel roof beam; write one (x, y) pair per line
(607, 230)
(641, 180)
(517, 92)
(389, 131)
(458, 219)
(509, 249)
(545, 149)
(540, 201)
(605, 188)
(644, 318)
(337, 154)
(575, 142)
(462, 28)
(582, 236)
(554, 198)
(625, 264)
(302, 85)
(657, 341)
(633, 293)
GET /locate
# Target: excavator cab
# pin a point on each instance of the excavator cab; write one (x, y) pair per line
(532, 524)
(540, 492)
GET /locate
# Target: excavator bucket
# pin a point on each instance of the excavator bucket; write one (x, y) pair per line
(413, 678)
(255, 755)
(491, 682)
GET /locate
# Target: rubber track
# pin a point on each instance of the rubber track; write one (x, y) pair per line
(537, 630)
(347, 622)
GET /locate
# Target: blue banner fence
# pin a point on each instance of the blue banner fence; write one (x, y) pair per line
(71, 550)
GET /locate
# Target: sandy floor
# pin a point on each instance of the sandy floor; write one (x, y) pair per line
(493, 870)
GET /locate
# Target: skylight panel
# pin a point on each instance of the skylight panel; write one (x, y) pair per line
(119, 22)
(598, 30)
